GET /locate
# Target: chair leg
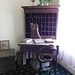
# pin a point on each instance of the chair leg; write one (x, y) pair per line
(49, 72)
(37, 74)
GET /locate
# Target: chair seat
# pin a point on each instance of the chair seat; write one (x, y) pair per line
(36, 65)
(47, 57)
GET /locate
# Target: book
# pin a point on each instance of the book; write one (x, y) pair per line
(26, 40)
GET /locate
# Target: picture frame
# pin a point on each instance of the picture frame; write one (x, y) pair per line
(4, 44)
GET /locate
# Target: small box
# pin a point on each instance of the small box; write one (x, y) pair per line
(4, 44)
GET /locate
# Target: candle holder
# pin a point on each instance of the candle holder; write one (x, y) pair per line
(33, 2)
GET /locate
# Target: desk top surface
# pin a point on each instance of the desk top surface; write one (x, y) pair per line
(35, 43)
(28, 41)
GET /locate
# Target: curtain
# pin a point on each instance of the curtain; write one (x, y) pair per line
(66, 32)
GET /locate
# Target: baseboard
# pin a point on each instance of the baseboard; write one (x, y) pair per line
(70, 69)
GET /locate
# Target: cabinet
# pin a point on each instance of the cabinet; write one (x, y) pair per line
(7, 60)
(45, 17)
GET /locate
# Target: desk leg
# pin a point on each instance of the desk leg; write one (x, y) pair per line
(21, 59)
(28, 60)
(55, 64)
(29, 56)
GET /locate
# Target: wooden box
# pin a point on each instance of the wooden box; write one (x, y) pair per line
(7, 60)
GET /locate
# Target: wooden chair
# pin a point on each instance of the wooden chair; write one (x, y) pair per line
(42, 64)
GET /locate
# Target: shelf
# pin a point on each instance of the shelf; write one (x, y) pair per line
(44, 16)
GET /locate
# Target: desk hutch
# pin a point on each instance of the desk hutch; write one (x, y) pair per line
(45, 17)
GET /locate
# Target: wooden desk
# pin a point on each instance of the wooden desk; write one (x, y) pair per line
(31, 47)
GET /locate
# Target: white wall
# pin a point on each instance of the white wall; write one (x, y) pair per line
(12, 20)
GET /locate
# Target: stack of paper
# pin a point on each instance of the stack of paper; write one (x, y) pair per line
(38, 41)
(49, 40)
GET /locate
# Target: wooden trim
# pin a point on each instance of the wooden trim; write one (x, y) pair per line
(40, 7)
